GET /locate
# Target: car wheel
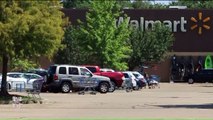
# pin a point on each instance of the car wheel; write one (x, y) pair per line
(112, 88)
(44, 87)
(65, 87)
(190, 81)
(136, 87)
(103, 87)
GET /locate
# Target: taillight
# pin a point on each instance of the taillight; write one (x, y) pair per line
(55, 77)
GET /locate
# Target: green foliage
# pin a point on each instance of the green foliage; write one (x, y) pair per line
(151, 45)
(22, 65)
(30, 28)
(138, 4)
(143, 4)
(199, 4)
(106, 44)
(98, 41)
(124, 3)
(73, 51)
(76, 3)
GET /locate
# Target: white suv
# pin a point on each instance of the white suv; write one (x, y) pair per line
(131, 78)
(69, 77)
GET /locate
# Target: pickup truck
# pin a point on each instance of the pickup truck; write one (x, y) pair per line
(116, 78)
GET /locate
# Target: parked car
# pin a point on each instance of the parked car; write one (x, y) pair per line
(21, 80)
(142, 82)
(116, 78)
(9, 87)
(106, 70)
(69, 77)
(130, 77)
(41, 72)
(203, 75)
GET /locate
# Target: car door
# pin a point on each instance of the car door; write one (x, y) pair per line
(209, 76)
(201, 76)
(85, 77)
(127, 80)
(205, 76)
(74, 76)
(62, 72)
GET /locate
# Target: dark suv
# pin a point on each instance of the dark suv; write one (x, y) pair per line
(204, 75)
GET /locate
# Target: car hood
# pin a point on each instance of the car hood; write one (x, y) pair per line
(100, 77)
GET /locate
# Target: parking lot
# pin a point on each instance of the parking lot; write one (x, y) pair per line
(171, 100)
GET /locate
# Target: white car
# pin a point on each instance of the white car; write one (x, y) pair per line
(20, 81)
(130, 77)
(140, 78)
(12, 83)
(106, 70)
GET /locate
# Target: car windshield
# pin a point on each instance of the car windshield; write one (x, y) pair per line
(126, 75)
(136, 75)
(26, 76)
(14, 75)
(92, 69)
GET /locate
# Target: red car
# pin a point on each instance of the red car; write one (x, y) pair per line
(116, 78)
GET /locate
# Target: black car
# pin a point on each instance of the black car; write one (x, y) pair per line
(41, 72)
(204, 75)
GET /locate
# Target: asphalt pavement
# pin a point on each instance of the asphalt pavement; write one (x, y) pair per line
(171, 100)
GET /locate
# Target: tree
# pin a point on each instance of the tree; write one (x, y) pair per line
(105, 43)
(76, 3)
(22, 65)
(199, 4)
(72, 51)
(124, 3)
(150, 46)
(28, 29)
(144, 4)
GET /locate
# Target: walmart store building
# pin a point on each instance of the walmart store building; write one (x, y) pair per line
(193, 31)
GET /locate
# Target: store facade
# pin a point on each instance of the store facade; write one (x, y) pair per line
(192, 31)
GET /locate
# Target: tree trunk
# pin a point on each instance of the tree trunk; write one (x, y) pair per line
(4, 91)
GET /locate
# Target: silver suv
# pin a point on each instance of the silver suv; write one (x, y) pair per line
(69, 77)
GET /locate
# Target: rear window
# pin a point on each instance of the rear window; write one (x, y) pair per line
(92, 69)
(52, 70)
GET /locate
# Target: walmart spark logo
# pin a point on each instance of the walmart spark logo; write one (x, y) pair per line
(200, 23)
